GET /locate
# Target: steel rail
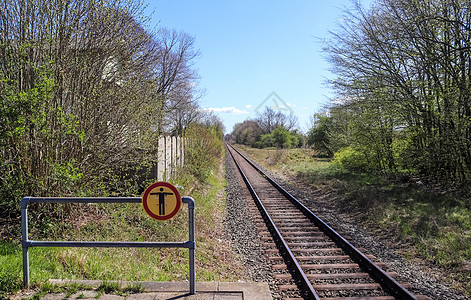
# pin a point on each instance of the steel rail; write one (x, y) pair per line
(369, 266)
(285, 251)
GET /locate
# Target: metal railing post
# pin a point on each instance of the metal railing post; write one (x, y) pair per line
(191, 227)
(24, 239)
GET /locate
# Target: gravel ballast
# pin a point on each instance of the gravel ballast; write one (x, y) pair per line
(242, 232)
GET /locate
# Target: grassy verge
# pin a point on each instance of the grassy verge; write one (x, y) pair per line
(429, 222)
(129, 222)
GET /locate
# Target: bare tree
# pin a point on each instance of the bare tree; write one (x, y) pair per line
(270, 119)
(84, 87)
(247, 132)
(173, 73)
(405, 64)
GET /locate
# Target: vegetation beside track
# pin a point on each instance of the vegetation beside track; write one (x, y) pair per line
(424, 222)
(129, 222)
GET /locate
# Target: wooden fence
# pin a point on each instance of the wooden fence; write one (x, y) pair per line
(170, 157)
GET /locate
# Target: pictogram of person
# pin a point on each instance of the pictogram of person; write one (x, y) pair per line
(161, 195)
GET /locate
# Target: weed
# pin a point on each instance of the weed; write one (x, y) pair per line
(133, 289)
(99, 294)
(70, 292)
(109, 288)
(47, 288)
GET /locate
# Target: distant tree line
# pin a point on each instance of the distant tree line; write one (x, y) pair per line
(270, 128)
(404, 90)
(86, 89)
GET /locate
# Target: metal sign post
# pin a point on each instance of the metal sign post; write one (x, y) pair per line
(26, 243)
(191, 239)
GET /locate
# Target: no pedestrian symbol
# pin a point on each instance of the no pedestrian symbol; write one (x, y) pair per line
(161, 201)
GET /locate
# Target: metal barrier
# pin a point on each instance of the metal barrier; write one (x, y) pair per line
(26, 243)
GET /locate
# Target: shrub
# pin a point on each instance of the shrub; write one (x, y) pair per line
(351, 159)
(204, 146)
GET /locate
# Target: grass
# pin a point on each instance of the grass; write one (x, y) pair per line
(128, 222)
(10, 266)
(433, 223)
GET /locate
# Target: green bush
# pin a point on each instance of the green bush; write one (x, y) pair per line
(204, 146)
(351, 159)
(280, 138)
(267, 140)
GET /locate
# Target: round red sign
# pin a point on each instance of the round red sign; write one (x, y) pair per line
(161, 201)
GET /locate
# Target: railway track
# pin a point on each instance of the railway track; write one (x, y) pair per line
(308, 258)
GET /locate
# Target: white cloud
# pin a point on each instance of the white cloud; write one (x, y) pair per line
(230, 110)
(248, 106)
(290, 104)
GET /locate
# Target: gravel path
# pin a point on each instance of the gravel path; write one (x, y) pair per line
(245, 240)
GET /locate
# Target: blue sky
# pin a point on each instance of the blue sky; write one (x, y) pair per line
(257, 53)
